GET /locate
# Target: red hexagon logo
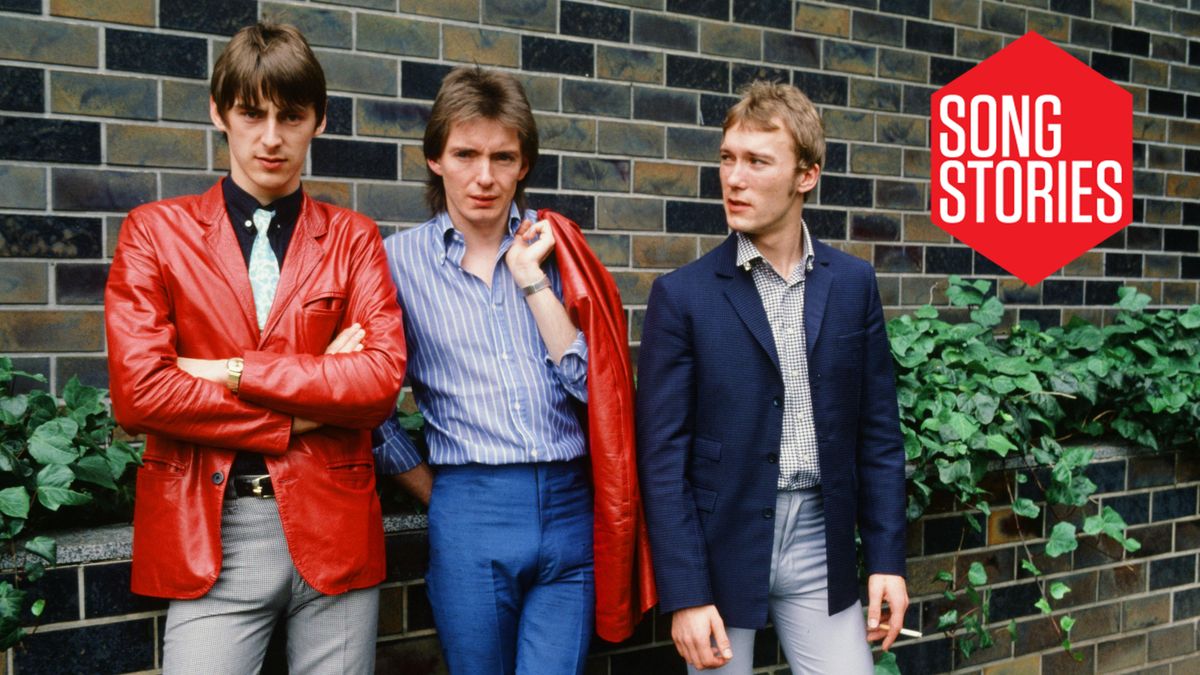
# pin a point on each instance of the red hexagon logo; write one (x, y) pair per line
(1032, 158)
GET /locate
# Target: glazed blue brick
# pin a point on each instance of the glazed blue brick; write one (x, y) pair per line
(793, 50)
(874, 227)
(43, 140)
(596, 98)
(826, 224)
(1191, 161)
(914, 8)
(916, 99)
(22, 89)
(421, 80)
(664, 31)
(156, 53)
(1091, 34)
(1130, 41)
(106, 589)
(579, 208)
(822, 88)
(1122, 265)
(744, 74)
(354, 159)
(935, 656)
(1063, 292)
(929, 37)
(1011, 602)
(58, 587)
(898, 259)
(593, 21)
(714, 108)
(1111, 66)
(1116, 240)
(835, 157)
(696, 218)
(845, 191)
(943, 535)
(101, 190)
(1162, 102)
(985, 266)
(1081, 8)
(26, 236)
(81, 285)
(1173, 503)
(1183, 241)
(709, 9)
(1143, 238)
(221, 17)
(544, 173)
(556, 56)
(1189, 267)
(1170, 572)
(689, 72)
(30, 6)
(894, 194)
(664, 106)
(1101, 292)
(1003, 18)
(120, 647)
(339, 116)
(771, 13)
(877, 28)
(943, 70)
(710, 183)
(947, 260)
(692, 143)
(1043, 317)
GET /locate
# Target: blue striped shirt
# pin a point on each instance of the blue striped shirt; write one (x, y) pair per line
(480, 372)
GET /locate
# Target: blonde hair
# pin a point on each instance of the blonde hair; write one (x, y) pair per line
(765, 102)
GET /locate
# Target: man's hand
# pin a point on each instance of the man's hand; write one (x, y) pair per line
(530, 248)
(212, 370)
(694, 631)
(347, 341)
(417, 481)
(891, 589)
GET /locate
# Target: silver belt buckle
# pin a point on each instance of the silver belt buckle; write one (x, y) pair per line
(256, 487)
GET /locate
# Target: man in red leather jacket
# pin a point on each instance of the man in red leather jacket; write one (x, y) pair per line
(255, 339)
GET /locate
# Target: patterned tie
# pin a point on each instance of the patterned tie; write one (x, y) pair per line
(264, 268)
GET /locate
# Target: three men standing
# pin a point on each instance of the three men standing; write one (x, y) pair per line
(767, 421)
(254, 337)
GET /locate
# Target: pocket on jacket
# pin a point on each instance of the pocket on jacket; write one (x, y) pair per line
(355, 475)
(706, 500)
(707, 448)
(326, 301)
(161, 466)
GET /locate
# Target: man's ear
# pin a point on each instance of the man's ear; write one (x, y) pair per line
(215, 114)
(324, 120)
(434, 166)
(806, 180)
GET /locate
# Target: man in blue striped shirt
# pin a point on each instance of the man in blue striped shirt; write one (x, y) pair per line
(498, 370)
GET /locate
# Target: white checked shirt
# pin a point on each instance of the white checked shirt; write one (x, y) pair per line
(783, 300)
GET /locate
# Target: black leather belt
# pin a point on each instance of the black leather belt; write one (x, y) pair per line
(251, 486)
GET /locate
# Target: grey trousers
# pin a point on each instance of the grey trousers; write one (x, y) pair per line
(226, 631)
(812, 641)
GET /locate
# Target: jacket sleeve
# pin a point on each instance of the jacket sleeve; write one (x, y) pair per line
(355, 390)
(666, 402)
(881, 490)
(150, 394)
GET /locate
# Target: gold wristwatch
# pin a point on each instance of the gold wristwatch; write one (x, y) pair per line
(233, 370)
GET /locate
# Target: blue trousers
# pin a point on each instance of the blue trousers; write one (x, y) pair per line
(510, 570)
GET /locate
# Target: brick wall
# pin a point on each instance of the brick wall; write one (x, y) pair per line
(1135, 612)
(103, 107)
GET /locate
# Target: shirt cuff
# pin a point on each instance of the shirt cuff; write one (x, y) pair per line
(394, 451)
(571, 369)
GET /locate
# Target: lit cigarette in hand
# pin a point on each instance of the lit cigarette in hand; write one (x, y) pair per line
(907, 632)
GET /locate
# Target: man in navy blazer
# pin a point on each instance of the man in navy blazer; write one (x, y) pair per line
(767, 421)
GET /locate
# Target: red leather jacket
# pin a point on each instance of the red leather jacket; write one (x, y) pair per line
(178, 287)
(624, 576)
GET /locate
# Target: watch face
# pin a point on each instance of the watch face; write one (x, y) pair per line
(235, 365)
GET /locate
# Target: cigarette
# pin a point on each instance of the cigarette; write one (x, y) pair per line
(907, 632)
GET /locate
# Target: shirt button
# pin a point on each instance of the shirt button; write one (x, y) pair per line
(533, 453)
(776, 402)
(768, 513)
(504, 356)
(772, 458)
(218, 478)
(517, 407)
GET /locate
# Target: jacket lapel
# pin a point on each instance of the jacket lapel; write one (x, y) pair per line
(303, 254)
(743, 295)
(816, 292)
(226, 254)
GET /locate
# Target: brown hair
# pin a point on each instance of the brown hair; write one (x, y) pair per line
(764, 102)
(469, 93)
(270, 60)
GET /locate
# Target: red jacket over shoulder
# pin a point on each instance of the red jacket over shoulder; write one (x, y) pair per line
(179, 287)
(624, 576)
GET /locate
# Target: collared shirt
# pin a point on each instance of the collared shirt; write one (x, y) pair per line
(240, 206)
(783, 300)
(480, 372)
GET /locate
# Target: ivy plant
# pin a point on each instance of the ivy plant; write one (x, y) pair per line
(55, 456)
(973, 399)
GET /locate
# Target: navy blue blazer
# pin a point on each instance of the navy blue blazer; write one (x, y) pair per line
(710, 417)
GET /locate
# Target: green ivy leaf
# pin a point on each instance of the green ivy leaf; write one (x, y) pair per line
(1000, 445)
(1191, 318)
(45, 548)
(1062, 540)
(95, 469)
(1058, 589)
(1042, 605)
(53, 442)
(55, 476)
(1131, 300)
(34, 570)
(976, 575)
(14, 502)
(38, 607)
(11, 600)
(947, 619)
(989, 313)
(1012, 365)
(926, 312)
(1012, 628)
(12, 409)
(54, 497)
(945, 576)
(1028, 566)
(886, 665)
(1024, 507)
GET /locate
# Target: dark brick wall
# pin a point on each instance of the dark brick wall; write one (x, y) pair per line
(1135, 612)
(102, 107)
